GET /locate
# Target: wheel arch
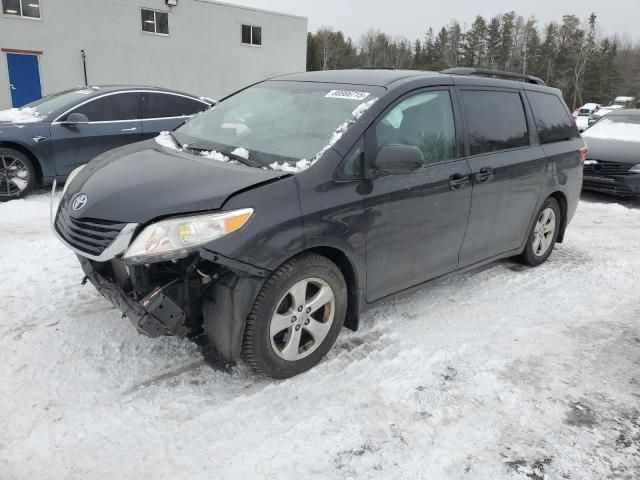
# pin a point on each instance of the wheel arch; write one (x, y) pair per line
(562, 201)
(349, 273)
(24, 150)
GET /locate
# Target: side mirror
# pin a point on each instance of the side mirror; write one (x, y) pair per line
(75, 118)
(399, 159)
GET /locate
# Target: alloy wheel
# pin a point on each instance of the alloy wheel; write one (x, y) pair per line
(544, 231)
(302, 319)
(14, 175)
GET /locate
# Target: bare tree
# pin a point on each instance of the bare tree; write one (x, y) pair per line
(587, 48)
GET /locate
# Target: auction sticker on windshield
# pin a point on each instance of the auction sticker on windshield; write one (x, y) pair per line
(347, 94)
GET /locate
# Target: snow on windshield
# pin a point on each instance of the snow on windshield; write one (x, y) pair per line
(613, 128)
(20, 115)
(337, 134)
(165, 140)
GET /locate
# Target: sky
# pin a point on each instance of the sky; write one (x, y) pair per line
(411, 18)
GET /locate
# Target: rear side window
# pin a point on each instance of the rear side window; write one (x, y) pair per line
(552, 118)
(121, 106)
(495, 120)
(163, 105)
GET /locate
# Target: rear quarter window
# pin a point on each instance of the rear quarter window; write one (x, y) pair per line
(166, 105)
(552, 118)
(495, 120)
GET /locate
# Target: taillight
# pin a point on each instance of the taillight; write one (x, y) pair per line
(584, 154)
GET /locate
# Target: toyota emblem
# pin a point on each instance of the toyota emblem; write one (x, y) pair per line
(79, 202)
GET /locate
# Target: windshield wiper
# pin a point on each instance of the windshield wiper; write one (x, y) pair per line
(207, 147)
(175, 140)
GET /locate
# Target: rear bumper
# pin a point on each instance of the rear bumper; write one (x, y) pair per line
(154, 315)
(619, 185)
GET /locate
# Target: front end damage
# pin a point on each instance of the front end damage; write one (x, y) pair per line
(205, 298)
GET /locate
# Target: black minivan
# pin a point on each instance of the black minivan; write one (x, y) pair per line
(262, 226)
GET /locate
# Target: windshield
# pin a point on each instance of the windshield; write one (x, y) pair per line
(279, 123)
(51, 103)
(618, 127)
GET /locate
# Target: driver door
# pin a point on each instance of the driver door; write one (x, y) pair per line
(416, 222)
(112, 121)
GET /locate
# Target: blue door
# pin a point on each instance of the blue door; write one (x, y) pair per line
(24, 78)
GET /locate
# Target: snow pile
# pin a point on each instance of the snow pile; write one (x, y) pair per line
(609, 130)
(20, 115)
(165, 140)
(504, 373)
(214, 155)
(241, 152)
(337, 134)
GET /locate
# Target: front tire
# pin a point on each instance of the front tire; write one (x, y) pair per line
(543, 235)
(296, 317)
(17, 174)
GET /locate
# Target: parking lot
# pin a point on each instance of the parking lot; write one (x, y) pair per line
(505, 372)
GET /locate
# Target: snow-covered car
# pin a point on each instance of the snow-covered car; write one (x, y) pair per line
(261, 227)
(584, 113)
(46, 139)
(601, 112)
(613, 163)
(623, 101)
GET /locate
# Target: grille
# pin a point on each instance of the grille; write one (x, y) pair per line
(88, 235)
(607, 168)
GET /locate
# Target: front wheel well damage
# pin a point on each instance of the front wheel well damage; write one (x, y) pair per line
(228, 301)
(28, 153)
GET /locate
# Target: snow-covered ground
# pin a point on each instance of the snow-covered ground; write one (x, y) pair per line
(503, 373)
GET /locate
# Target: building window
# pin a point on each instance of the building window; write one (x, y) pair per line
(21, 8)
(251, 35)
(155, 22)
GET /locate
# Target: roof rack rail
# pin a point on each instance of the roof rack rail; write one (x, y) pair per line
(373, 67)
(493, 73)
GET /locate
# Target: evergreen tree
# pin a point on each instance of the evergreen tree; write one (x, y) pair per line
(493, 42)
(475, 44)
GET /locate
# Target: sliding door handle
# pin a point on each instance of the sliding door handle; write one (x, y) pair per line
(484, 175)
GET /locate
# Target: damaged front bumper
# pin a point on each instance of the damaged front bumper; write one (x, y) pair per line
(206, 298)
(154, 315)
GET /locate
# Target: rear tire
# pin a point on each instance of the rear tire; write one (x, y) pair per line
(17, 174)
(543, 235)
(296, 317)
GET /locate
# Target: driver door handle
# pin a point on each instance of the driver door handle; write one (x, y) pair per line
(458, 181)
(132, 129)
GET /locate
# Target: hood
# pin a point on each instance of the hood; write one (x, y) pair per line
(610, 150)
(20, 116)
(143, 181)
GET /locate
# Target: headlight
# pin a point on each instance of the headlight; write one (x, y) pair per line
(71, 177)
(635, 169)
(176, 237)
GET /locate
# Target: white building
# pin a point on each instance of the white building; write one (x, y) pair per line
(203, 47)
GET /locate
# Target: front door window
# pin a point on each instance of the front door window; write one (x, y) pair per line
(425, 121)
